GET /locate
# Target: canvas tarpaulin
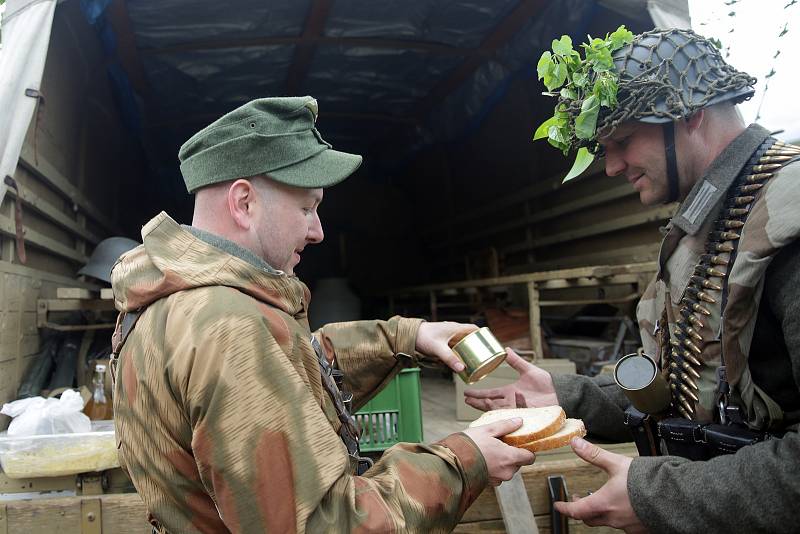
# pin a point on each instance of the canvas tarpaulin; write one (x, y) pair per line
(26, 36)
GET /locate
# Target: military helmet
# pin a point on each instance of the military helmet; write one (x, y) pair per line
(659, 76)
(105, 255)
(666, 75)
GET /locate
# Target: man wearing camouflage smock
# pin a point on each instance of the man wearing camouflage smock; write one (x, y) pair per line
(722, 316)
(228, 413)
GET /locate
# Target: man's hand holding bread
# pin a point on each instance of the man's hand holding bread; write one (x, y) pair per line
(610, 505)
(502, 460)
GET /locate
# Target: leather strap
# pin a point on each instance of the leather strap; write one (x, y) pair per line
(18, 228)
(125, 323)
(672, 161)
(348, 431)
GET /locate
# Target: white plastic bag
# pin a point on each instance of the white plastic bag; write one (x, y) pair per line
(37, 416)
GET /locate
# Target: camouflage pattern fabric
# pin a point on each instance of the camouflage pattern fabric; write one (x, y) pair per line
(221, 418)
(771, 225)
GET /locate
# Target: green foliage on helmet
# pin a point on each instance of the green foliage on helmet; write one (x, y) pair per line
(588, 83)
(657, 76)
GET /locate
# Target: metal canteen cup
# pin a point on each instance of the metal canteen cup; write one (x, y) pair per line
(639, 378)
(480, 352)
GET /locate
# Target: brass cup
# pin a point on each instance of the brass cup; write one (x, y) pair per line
(639, 378)
(480, 352)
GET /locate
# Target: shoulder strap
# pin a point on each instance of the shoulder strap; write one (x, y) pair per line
(125, 323)
(348, 430)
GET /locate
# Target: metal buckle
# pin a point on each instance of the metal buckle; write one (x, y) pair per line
(363, 465)
(347, 400)
(734, 414)
(699, 434)
(723, 418)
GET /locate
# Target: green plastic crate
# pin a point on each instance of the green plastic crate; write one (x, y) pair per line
(394, 415)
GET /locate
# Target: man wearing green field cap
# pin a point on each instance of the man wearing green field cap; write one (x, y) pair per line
(230, 414)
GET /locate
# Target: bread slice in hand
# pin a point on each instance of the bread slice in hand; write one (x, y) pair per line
(537, 423)
(572, 428)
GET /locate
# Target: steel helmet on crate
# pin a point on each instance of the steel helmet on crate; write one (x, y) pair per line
(105, 255)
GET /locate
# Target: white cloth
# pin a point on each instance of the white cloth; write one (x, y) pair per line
(26, 36)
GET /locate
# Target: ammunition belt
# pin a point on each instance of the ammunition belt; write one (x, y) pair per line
(708, 283)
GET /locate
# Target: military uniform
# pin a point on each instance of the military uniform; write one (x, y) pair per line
(760, 334)
(221, 417)
(227, 412)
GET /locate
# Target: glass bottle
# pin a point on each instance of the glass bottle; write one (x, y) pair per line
(98, 408)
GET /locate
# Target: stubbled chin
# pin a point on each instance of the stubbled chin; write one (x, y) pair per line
(646, 197)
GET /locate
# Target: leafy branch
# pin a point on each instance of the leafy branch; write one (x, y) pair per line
(584, 86)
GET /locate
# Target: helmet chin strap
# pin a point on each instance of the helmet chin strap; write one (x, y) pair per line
(672, 162)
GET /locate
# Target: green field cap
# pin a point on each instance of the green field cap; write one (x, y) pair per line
(267, 136)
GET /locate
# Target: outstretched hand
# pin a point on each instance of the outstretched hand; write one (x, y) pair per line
(533, 389)
(433, 338)
(611, 504)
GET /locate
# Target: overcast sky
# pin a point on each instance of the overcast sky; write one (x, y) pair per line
(752, 45)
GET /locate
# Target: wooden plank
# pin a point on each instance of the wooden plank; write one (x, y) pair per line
(581, 477)
(121, 514)
(534, 190)
(634, 254)
(516, 508)
(13, 268)
(585, 281)
(125, 513)
(535, 318)
(91, 516)
(611, 276)
(45, 171)
(75, 293)
(543, 524)
(651, 215)
(37, 239)
(543, 215)
(107, 293)
(55, 305)
(52, 213)
(627, 298)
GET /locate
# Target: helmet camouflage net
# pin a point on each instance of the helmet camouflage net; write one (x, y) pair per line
(666, 75)
(657, 76)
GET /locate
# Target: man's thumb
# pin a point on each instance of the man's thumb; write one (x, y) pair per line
(591, 453)
(506, 426)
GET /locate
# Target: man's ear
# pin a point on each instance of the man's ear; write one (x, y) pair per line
(694, 121)
(242, 198)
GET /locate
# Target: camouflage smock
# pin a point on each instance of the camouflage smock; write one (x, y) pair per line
(754, 490)
(221, 418)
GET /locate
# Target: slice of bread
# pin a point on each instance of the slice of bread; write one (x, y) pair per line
(537, 422)
(572, 428)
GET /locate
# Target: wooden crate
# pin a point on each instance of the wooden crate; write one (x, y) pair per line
(484, 515)
(125, 513)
